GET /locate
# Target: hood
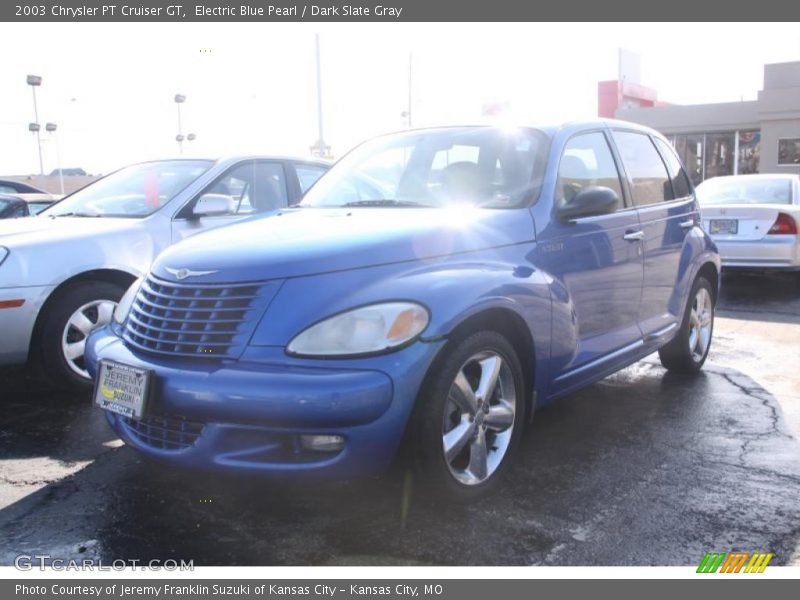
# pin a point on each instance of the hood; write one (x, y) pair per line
(28, 231)
(307, 241)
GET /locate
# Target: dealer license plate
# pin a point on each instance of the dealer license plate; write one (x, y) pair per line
(122, 389)
(730, 226)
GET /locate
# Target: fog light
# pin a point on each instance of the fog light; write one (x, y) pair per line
(322, 443)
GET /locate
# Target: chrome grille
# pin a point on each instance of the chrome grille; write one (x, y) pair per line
(211, 320)
(165, 433)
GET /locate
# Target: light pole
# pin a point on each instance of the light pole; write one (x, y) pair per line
(51, 129)
(319, 149)
(180, 99)
(410, 81)
(406, 114)
(35, 81)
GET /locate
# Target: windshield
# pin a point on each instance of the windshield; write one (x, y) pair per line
(135, 191)
(734, 190)
(477, 166)
(4, 204)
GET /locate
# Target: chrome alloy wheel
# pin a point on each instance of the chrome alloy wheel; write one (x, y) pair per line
(83, 321)
(701, 318)
(479, 418)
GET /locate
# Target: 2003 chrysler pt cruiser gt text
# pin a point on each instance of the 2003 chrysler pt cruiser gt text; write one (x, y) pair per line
(431, 289)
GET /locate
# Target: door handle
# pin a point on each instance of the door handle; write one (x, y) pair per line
(634, 236)
(688, 224)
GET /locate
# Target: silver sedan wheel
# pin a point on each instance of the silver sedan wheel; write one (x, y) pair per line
(83, 321)
(701, 318)
(479, 418)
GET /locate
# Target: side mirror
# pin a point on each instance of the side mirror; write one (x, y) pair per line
(589, 202)
(211, 205)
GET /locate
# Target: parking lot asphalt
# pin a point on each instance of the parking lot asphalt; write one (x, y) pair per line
(643, 468)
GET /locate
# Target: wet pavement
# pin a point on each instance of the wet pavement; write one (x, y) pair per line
(643, 468)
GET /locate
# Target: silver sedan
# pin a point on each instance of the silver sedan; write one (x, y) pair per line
(63, 271)
(754, 219)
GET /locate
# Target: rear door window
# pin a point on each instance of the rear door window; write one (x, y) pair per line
(678, 177)
(644, 166)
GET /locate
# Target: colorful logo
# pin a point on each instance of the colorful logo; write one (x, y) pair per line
(734, 562)
(109, 393)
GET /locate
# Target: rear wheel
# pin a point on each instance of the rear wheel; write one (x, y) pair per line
(469, 416)
(689, 348)
(69, 319)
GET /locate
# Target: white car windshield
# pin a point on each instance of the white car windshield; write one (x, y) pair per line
(733, 190)
(479, 166)
(134, 192)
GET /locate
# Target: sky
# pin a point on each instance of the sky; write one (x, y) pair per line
(251, 87)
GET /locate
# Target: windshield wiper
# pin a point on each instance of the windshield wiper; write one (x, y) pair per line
(387, 202)
(74, 214)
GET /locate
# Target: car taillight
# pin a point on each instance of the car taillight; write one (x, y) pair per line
(784, 224)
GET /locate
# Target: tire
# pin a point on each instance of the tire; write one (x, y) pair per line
(71, 315)
(688, 350)
(442, 417)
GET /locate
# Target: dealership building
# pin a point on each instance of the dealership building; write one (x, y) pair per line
(729, 138)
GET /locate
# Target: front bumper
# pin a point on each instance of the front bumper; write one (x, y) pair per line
(17, 322)
(770, 252)
(249, 416)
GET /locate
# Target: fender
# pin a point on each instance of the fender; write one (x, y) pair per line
(698, 251)
(121, 268)
(452, 290)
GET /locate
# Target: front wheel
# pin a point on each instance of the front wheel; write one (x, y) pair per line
(469, 416)
(69, 319)
(688, 350)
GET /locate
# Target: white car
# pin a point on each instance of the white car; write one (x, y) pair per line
(754, 219)
(36, 199)
(63, 271)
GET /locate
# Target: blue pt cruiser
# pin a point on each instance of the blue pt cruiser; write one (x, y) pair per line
(431, 290)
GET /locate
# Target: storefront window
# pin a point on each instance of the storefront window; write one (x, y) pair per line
(719, 154)
(707, 155)
(749, 152)
(789, 151)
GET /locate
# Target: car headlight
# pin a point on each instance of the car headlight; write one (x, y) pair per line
(366, 330)
(3, 254)
(126, 302)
